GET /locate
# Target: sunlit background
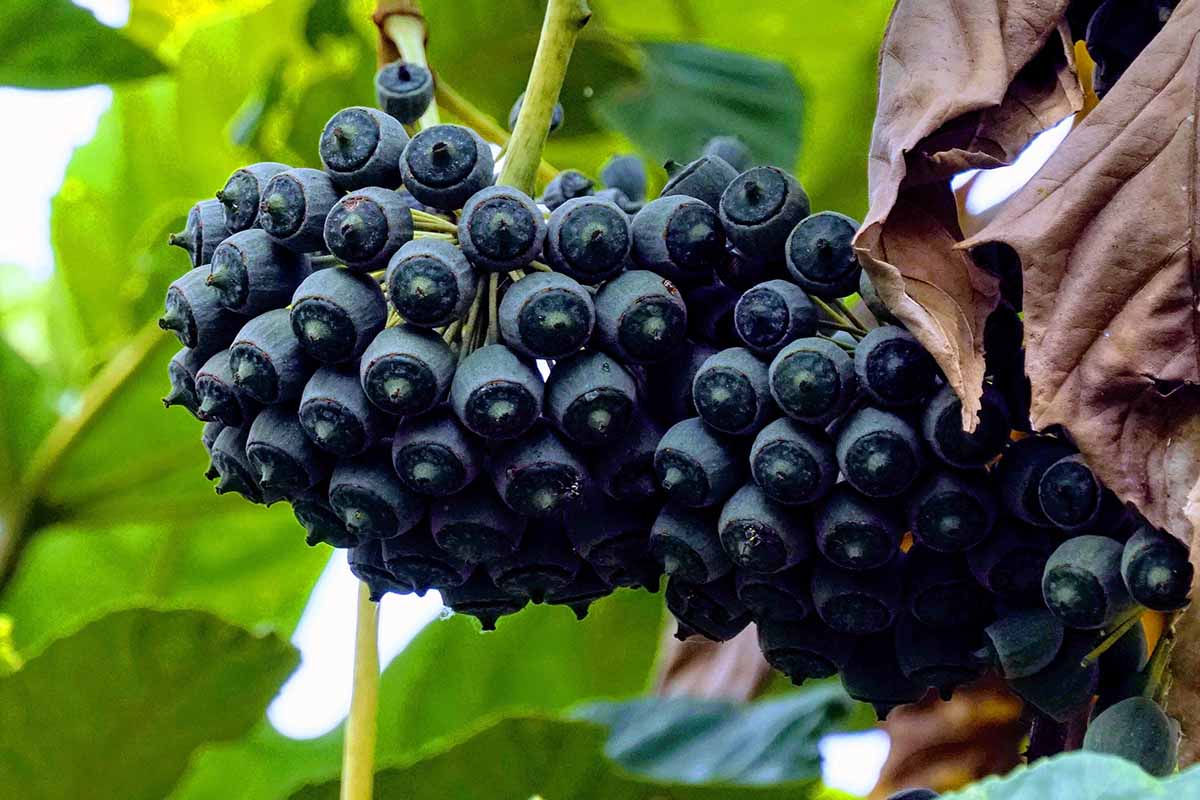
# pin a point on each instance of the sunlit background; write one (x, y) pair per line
(317, 697)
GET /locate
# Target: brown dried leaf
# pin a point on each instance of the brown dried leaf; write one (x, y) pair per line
(962, 83)
(733, 670)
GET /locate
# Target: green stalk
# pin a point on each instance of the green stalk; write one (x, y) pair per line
(493, 330)
(1111, 638)
(358, 753)
(564, 19)
(462, 108)
(407, 31)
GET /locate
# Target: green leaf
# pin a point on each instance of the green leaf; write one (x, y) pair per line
(691, 93)
(696, 741)
(116, 709)
(1084, 775)
(327, 18)
(527, 756)
(55, 44)
(247, 564)
(26, 413)
(450, 677)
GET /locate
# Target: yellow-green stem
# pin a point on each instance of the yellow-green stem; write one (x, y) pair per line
(408, 33)
(454, 103)
(358, 753)
(1111, 638)
(564, 19)
(493, 331)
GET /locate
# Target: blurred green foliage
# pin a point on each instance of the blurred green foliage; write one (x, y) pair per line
(117, 532)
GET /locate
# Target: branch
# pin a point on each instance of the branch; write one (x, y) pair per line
(358, 753)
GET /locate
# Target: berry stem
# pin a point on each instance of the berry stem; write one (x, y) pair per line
(493, 330)
(1158, 679)
(1111, 638)
(840, 304)
(408, 33)
(485, 126)
(835, 315)
(564, 19)
(468, 328)
(538, 266)
(358, 755)
(321, 261)
(58, 443)
(837, 326)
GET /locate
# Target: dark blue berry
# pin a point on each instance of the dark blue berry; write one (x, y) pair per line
(336, 313)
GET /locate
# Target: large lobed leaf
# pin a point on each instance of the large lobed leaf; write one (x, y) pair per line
(527, 756)
(116, 709)
(55, 44)
(1082, 775)
(962, 83)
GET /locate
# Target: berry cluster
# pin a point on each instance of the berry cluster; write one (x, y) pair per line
(514, 400)
(1116, 32)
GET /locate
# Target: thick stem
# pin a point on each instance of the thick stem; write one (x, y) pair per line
(358, 754)
(564, 19)
(454, 103)
(407, 31)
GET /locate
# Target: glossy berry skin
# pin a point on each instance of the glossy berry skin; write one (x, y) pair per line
(337, 415)
(711, 610)
(730, 392)
(624, 468)
(320, 522)
(640, 317)
(940, 591)
(1137, 730)
(182, 373)
(495, 394)
(685, 541)
(893, 367)
(537, 475)
(589, 239)
(1023, 642)
(475, 524)
(941, 427)
(1010, 562)
(294, 206)
(566, 185)
(285, 461)
(366, 228)
(820, 256)
(1069, 494)
(430, 283)
(366, 563)
(812, 380)
(543, 564)
(774, 596)
(731, 149)
(695, 466)
(591, 398)
(556, 116)
(404, 90)
(855, 533)
(243, 191)
(444, 165)
(804, 650)
(872, 675)
(546, 315)
(415, 560)
(406, 370)
(705, 179)
(1020, 472)
(1062, 688)
(434, 455)
(1156, 570)
(267, 360)
(760, 208)
(480, 598)
(501, 229)
(252, 274)
(668, 394)
(234, 471)
(196, 317)
(205, 229)
(761, 535)
(336, 313)
(952, 511)
(626, 173)
(1082, 583)
(220, 398)
(879, 453)
(372, 502)
(857, 602)
(678, 237)
(361, 147)
(939, 658)
(792, 464)
(771, 315)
